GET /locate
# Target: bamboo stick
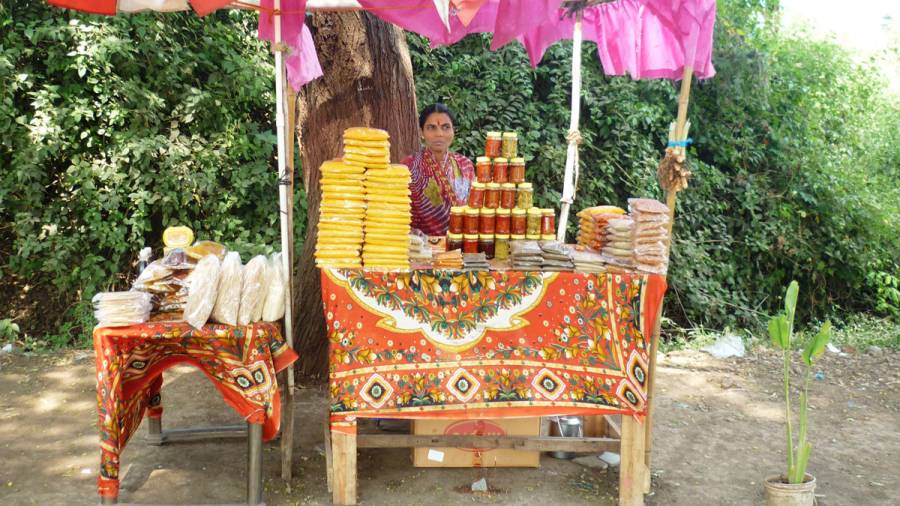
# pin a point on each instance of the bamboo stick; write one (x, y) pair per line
(680, 134)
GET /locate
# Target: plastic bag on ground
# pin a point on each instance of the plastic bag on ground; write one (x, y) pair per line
(228, 299)
(273, 309)
(203, 286)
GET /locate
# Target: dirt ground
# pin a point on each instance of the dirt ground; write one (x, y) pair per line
(718, 432)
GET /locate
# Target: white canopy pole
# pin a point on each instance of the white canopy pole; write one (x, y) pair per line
(570, 177)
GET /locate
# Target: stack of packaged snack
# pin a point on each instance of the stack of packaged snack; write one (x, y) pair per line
(592, 224)
(651, 236)
(556, 256)
(449, 260)
(419, 249)
(618, 248)
(475, 262)
(526, 255)
(116, 309)
(587, 260)
(388, 218)
(341, 215)
(166, 278)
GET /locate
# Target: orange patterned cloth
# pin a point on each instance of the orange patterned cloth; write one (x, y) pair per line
(435, 344)
(240, 361)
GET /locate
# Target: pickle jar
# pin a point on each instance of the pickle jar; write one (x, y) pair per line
(492, 196)
(470, 243)
(518, 222)
(483, 169)
(533, 227)
(501, 246)
(502, 223)
(486, 245)
(492, 144)
(470, 226)
(516, 170)
(501, 170)
(476, 195)
(454, 241)
(457, 216)
(507, 195)
(548, 221)
(510, 145)
(487, 221)
(524, 196)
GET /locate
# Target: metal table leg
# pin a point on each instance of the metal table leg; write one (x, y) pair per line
(254, 464)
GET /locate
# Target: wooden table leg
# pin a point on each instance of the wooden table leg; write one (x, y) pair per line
(287, 431)
(632, 469)
(329, 469)
(343, 454)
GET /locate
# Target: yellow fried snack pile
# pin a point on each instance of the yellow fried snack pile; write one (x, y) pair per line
(341, 215)
(387, 224)
(368, 148)
(592, 224)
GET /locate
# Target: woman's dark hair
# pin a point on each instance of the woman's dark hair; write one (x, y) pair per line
(433, 108)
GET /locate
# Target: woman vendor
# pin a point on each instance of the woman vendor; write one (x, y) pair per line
(440, 178)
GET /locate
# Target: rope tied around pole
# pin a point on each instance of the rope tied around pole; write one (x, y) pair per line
(280, 47)
(574, 139)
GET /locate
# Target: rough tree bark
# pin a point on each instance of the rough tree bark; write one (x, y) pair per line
(367, 81)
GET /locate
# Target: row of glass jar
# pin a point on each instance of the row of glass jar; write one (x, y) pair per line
(499, 170)
(492, 245)
(501, 196)
(533, 222)
(504, 145)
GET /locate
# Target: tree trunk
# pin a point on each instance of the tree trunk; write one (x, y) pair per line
(367, 82)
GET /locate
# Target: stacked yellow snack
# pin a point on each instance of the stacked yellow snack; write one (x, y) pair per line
(387, 224)
(341, 215)
(592, 224)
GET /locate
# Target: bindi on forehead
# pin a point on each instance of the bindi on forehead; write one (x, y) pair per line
(439, 120)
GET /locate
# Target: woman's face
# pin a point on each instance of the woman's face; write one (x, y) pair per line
(438, 132)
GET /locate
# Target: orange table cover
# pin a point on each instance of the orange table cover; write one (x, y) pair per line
(240, 361)
(422, 344)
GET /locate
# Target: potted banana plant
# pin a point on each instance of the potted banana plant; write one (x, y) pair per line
(796, 487)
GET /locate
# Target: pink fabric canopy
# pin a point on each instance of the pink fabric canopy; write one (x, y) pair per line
(647, 39)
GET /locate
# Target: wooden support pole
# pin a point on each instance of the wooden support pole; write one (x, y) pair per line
(632, 470)
(343, 455)
(681, 119)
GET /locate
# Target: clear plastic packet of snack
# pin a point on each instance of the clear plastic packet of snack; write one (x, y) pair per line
(153, 278)
(203, 285)
(177, 259)
(273, 308)
(228, 296)
(201, 249)
(647, 206)
(253, 290)
(116, 309)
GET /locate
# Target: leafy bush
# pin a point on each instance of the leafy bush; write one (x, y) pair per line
(113, 128)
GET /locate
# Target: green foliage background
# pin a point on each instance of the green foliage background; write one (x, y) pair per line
(112, 129)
